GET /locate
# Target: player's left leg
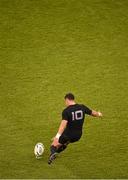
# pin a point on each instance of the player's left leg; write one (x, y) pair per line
(58, 147)
(63, 147)
(53, 149)
(52, 156)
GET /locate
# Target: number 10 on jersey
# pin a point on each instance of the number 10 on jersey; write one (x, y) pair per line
(77, 115)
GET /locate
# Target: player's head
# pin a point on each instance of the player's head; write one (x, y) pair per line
(69, 99)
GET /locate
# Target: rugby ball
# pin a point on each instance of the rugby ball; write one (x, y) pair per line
(39, 150)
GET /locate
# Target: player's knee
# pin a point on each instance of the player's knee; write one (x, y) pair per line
(55, 144)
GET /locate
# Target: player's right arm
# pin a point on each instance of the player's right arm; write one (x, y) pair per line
(92, 112)
(96, 114)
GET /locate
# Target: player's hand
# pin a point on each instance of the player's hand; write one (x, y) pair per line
(56, 141)
(100, 114)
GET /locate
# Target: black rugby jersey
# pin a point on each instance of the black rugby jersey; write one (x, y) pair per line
(75, 115)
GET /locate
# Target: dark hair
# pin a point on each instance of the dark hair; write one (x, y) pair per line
(69, 96)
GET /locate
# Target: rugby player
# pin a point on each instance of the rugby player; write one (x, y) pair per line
(70, 129)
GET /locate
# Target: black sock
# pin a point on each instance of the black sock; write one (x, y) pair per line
(61, 148)
(53, 149)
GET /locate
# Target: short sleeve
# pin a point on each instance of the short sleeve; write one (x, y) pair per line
(64, 115)
(87, 110)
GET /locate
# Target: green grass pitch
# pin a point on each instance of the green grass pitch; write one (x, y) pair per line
(49, 48)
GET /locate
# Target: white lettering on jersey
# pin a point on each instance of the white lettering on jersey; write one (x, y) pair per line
(77, 115)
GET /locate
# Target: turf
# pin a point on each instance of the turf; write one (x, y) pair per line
(49, 48)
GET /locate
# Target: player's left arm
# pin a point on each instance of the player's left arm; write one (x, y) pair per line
(61, 128)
